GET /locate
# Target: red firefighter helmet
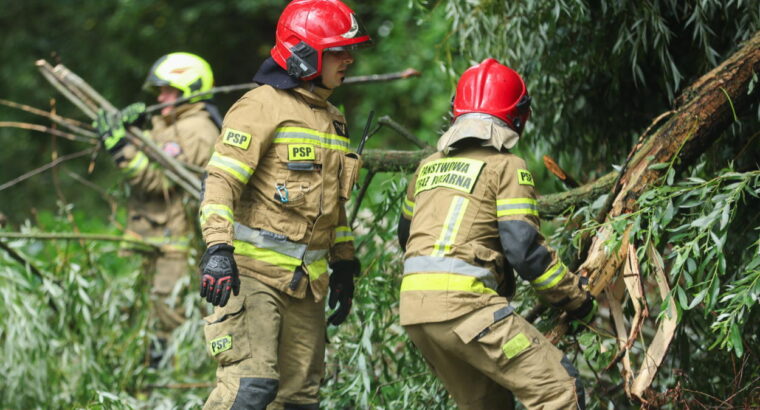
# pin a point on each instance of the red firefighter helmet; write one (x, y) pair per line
(494, 89)
(307, 28)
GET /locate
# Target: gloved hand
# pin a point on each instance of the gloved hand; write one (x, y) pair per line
(585, 314)
(111, 127)
(110, 130)
(133, 114)
(342, 289)
(219, 274)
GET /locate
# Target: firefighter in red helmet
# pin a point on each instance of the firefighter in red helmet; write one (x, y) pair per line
(274, 220)
(470, 218)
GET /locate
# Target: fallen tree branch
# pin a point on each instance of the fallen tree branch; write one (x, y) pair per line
(69, 123)
(46, 167)
(47, 130)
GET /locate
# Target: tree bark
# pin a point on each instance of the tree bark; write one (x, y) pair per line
(704, 110)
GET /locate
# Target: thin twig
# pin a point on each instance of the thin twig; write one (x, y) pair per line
(360, 197)
(409, 72)
(401, 130)
(47, 130)
(377, 78)
(45, 168)
(70, 123)
(110, 199)
(75, 236)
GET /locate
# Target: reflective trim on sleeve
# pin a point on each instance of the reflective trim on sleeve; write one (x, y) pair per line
(408, 208)
(516, 206)
(136, 165)
(215, 209)
(550, 278)
(343, 234)
(299, 135)
(421, 264)
(237, 169)
(317, 269)
(443, 282)
(451, 226)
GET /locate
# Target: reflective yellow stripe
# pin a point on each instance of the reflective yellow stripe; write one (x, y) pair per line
(137, 164)
(317, 269)
(443, 282)
(550, 278)
(516, 206)
(215, 209)
(266, 255)
(408, 208)
(299, 135)
(237, 169)
(343, 234)
(451, 226)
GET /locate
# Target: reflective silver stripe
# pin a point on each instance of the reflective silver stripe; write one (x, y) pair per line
(451, 226)
(237, 169)
(285, 247)
(420, 264)
(555, 274)
(299, 135)
(313, 255)
(259, 240)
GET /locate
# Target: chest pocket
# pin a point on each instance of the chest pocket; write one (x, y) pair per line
(298, 174)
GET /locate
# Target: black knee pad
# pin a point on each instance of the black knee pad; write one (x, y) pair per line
(255, 393)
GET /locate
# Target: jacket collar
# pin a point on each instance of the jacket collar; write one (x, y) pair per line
(492, 131)
(313, 94)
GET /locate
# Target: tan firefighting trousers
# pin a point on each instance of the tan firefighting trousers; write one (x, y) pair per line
(483, 356)
(267, 344)
(166, 270)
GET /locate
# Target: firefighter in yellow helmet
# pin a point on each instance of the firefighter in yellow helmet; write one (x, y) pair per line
(469, 218)
(273, 217)
(156, 213)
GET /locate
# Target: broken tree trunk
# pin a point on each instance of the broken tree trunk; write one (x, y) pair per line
(704, 111)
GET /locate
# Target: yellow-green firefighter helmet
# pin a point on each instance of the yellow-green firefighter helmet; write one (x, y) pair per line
(186, 72)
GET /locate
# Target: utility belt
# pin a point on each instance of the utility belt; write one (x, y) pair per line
(276, 249)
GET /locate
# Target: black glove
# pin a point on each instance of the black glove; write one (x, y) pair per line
(585, 314)
(342, 289)
(219, 274)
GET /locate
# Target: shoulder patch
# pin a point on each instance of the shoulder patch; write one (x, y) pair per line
(172, 149)
(301, 152)
(236, 138)
(524, 177)
(455, 173)
(221, 344)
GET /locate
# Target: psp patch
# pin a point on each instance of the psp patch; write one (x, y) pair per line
(301, 152)
(221, 344)
(455, 173)
(172, 149)
(524, 177)
(236, 138)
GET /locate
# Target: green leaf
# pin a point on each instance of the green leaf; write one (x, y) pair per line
(682, 299)
(659, 165)
(736, 340)
(698, 298)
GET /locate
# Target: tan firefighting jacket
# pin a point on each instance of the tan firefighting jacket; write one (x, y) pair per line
(276, 188)
(473, 216)
(156, 213)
